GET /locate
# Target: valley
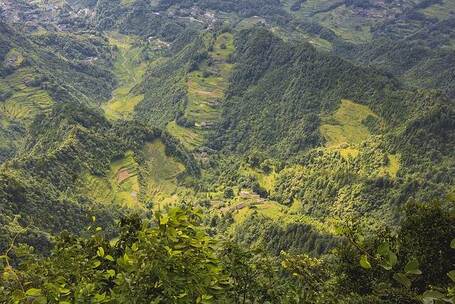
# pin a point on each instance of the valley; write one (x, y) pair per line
(129, 68)
(250, 151)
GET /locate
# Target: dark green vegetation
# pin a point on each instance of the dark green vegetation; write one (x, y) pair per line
(227, 151)
(173, 260)
(40, 70)
(43, 188)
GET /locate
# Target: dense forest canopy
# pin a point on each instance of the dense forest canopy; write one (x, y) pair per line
(253, 151)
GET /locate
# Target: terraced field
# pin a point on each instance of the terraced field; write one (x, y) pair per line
(160, 174)
(344, 131)
(442, 11)
(129, 68)
(24, 101)
(278, 213)
(125, 181)
(120, 186)
(19, 104)
(205, 92)
(335, 16)
(187, 136)
(133, 185)
(345, 125)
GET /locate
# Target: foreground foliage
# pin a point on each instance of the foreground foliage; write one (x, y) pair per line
(173, 260)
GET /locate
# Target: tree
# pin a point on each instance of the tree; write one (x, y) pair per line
(229, 193)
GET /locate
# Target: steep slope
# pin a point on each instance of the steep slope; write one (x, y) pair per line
(282, 112)
(290, 128)
(205, 88)
(384, 146)
(76, 164)
(41, 69)
(423, 58)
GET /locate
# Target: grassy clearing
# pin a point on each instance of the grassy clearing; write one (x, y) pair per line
(441, 11)
(349, 152)
(392, 167)
(282, 215)
(127, 2)
(268, 209)
(223, 47)
(160, 174)
(266, 181)
(249, 22)
(121, 107)
(190, 138)
(130, 69)
(345, 125)
(120, 186)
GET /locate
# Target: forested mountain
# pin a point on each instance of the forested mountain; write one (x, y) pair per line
(218, 151)
(42, 69)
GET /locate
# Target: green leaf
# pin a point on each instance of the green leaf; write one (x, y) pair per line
(383, 249)
(33, 292)
(100, 252)
(134, 247)
(385, 265)
(99, 298)
(389, 258)
(432, 295)
(110, 273)
(402, 279)
(364, 262)
(96, 264)
(6, 275)
(451, 275)
(412, 267)
(109, 258)
(64, 291)
(452, 244)
(392, 259)
(182, 295)
(164, 219)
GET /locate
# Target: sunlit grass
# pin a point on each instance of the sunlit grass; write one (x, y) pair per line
(345, 125)
(160, 173)
(119, 187)
(129, 69)
(190, 138)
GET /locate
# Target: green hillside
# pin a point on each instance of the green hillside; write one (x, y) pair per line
(346, 126)
(227, 151)
(205, 88)
(37, 72)
(76, 161)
